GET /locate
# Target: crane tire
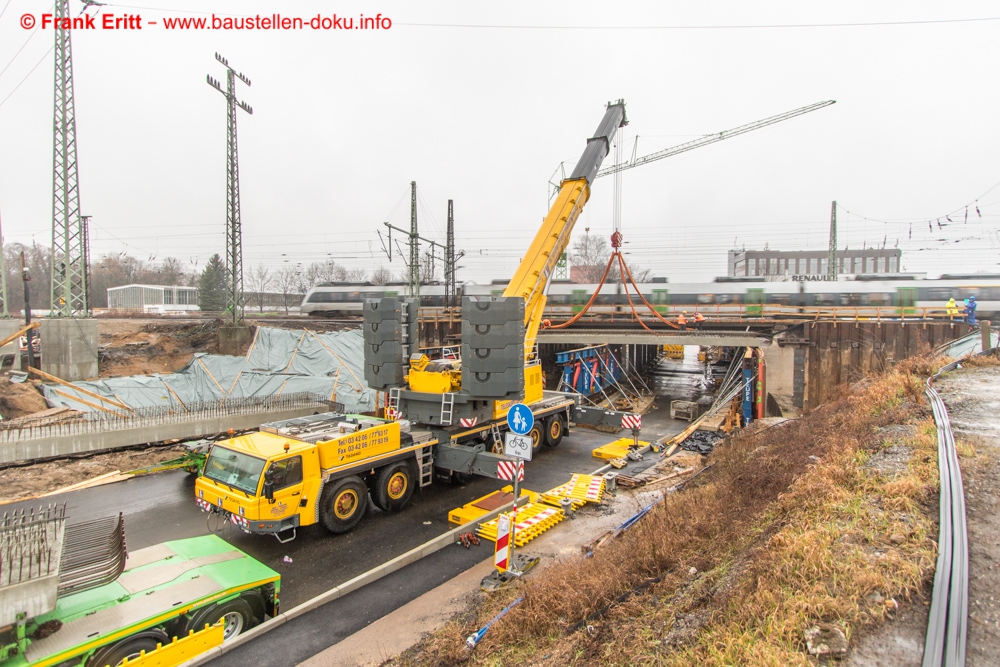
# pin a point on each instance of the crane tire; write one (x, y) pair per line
(343, 504)
(555, 429)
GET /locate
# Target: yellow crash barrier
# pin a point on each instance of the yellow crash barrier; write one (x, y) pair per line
(532, 520)
(581, 488)
(181, 649)
(616, 449)
(491, 501)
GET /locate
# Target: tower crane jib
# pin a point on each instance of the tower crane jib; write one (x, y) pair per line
(710, 139)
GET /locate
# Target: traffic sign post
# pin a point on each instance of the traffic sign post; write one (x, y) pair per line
(517, 444)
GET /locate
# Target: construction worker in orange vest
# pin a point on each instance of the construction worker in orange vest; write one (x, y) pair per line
(682, 320)
(698, 319)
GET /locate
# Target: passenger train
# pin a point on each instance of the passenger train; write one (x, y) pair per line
(850, 291)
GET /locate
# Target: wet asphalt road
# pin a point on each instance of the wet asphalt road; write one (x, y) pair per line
(161, 507)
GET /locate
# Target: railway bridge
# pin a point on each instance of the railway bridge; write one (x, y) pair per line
(807, 352)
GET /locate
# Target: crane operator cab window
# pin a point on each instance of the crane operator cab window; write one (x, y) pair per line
(286, 472)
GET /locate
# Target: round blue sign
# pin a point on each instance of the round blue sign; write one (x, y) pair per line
(519, 419)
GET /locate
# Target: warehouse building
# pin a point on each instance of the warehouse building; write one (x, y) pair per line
(806, 263)
(153, 298)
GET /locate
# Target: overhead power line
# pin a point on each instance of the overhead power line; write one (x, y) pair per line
(749, 26)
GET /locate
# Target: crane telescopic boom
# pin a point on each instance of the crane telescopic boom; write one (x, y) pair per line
(710, 139)
(532, 275)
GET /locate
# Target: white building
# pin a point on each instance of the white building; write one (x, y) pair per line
(153, 298)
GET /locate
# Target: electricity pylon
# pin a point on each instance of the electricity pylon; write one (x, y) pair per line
(234, 233)
(69, 242)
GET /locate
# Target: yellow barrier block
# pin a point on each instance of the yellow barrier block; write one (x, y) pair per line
(580, 488)
(486, 504)
(181, 649)
(673, 351)
(616, 449)
(532, 520)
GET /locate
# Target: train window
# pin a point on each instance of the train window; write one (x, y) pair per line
(321, 297)
(940, 293)
(706, 298)
(826, 299)
(727, 298)
(661, 297)
(782, 299)
(877, 299)
(851, 299)
(353, 296)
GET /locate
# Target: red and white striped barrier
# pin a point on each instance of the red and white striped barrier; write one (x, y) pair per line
(501, 555)
(509, 469)
(633, 422)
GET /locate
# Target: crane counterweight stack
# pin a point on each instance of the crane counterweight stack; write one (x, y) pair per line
(499, 362)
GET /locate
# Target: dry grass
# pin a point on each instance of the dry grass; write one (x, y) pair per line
(793, 525)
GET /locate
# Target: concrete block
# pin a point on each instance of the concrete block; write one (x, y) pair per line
(233, 340)
(69, 348)
(7, 327)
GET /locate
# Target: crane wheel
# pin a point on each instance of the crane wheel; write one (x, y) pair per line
(343, 504)
(537, 436)
(130, 647)
(394, 486)
(555, 429)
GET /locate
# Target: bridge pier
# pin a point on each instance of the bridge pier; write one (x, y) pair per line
(806, 363)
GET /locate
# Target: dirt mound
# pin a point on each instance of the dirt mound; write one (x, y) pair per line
(141, 348)
(19, 399)
(39, 478)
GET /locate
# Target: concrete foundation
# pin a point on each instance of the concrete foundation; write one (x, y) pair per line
(234, 339)
(195, 427)
(7, 327)
(69, 348)
(780, 379)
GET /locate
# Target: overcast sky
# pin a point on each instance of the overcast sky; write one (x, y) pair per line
(481, 102)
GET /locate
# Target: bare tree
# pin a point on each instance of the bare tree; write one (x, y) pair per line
(258, 280)
(381, 276)
(356, 275)
(588, 258)
(286, 281)
(172, 272)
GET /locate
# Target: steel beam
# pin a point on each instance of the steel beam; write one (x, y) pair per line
(621, 337)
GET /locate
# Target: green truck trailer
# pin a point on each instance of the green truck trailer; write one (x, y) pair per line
(72, 596)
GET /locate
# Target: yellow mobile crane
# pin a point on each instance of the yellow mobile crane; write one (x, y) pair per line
(532, 276)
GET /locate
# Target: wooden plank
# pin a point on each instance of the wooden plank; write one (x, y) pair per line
(20, 332)
(53, 378)
(86, 402)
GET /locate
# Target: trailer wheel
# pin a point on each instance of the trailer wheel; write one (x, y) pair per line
(555, 429)
(130, 647)
(343, 505)
(394, 486)
(236, 614)
(537, 436)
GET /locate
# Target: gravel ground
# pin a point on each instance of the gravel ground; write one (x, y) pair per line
(972, 396)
